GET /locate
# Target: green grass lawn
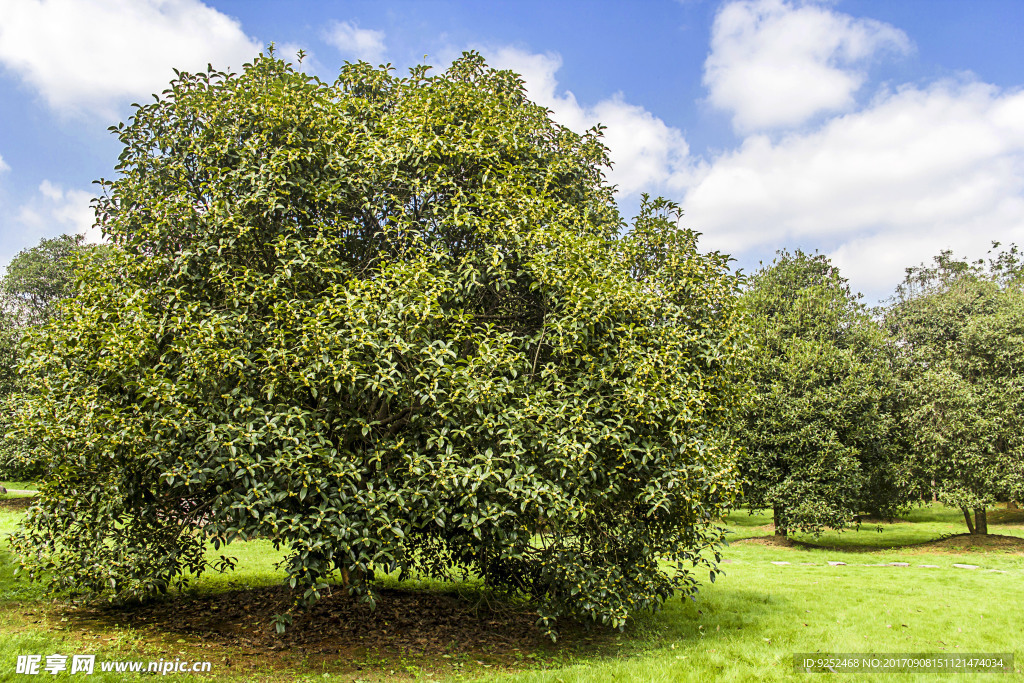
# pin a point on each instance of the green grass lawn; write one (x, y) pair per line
(921, 525)
(748, 625)
(31, 626)
(745, 627)
(23, 485)
(18, 486)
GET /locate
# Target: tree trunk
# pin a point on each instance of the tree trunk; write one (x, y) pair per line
(980, 521)
(348, 579)
(967, 518)
(780, 530)
(935, 492)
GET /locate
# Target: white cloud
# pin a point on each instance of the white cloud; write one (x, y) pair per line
(773, 64)
(918, 170)
(643, 148)
(885, 186)
(50, 211)
(915, 171)
(289, 52)
(56, 210)
(361, 43)
(95, 54)
(3, 166)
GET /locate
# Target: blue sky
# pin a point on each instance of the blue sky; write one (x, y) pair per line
(876, 132)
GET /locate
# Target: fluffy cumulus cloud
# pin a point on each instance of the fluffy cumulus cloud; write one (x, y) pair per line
(772, 64)
(57, 210)
(352, 41)
(917, 170)
(879, 187)
(49, 211)
(290, 53)
(643, 148)
(92, 55)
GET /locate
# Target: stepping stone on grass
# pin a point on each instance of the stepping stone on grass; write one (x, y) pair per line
(930, 566)
(996, 571)
(837, 564)
(966, 566)
(899, 564)
(780, 564)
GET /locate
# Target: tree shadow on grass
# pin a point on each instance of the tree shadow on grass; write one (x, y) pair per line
(438, 630)
(16, 503)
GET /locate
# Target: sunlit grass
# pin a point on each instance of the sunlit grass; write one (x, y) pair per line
(12, 586)
(255, 566)
(747, 626)
(921, 525)
(12, 486)
(20, 485)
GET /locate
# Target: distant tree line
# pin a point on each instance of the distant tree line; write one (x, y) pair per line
(869, 411)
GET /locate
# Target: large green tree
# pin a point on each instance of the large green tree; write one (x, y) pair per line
(390, 324)
(961, 328)
(820, 438)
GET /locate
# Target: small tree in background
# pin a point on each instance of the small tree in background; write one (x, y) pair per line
(961, 327)
(819, 436)
(38, 278)
(35, 282)
(389, 324)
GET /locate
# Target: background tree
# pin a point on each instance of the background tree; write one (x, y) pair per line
(39, 277)
(819, 435)
(961, 328)
(35, 282)
(389, 324)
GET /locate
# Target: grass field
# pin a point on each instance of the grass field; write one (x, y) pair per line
(745, 627)
(17, 486)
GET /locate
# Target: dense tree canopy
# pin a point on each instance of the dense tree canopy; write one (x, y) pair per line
(820, 437)
(390, 324)
(961, 327)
